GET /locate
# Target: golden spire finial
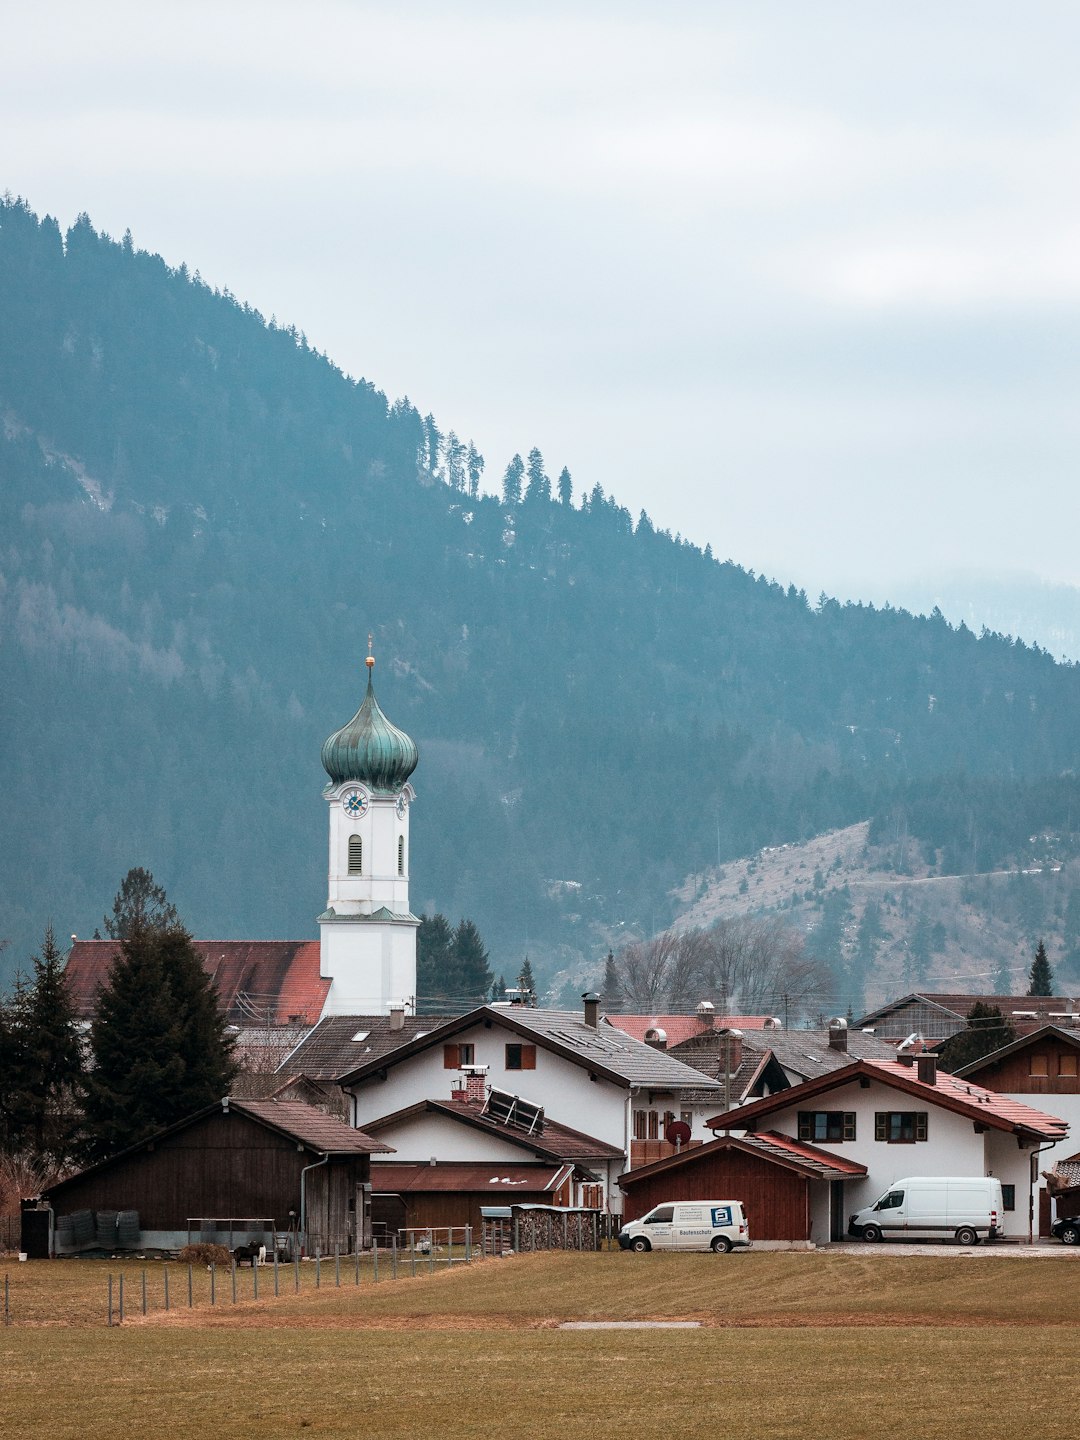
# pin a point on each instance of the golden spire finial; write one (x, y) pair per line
(370, 661)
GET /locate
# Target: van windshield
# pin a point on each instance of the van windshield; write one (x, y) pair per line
(662, 1215)
(891, 1201)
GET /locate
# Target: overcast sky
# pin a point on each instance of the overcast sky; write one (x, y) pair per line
(801, 279)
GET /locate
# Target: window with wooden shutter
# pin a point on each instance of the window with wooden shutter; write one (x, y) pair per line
(520, 1057)
(356, 855)
(451, 1057)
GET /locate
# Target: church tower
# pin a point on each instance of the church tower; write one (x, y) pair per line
(367, 932)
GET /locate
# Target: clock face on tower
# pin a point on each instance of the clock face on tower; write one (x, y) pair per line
(401, 806)
(354, 802)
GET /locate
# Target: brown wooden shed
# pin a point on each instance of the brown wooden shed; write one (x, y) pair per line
(452, 1194)
(770, 1174)
(280, 1165)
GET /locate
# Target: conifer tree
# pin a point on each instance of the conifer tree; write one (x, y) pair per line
(434, 957)
(161, 1050)
(51, 1057)
(474, 466)
(135, 1086)
(1042, 979)
(512, 479)
(526, 983)
(471, 967)
(498, 988)
(987, 1030)
(612, 990)
(139, 904)
(566, 487)
(539, 487)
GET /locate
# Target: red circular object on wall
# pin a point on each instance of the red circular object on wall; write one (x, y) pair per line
(677, 1133)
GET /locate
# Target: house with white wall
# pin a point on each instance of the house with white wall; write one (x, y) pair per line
(901, 1118)
(578, 1070)
(1041, 1069)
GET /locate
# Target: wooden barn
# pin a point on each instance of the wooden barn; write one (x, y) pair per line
(237, 1171)
(790, 1191)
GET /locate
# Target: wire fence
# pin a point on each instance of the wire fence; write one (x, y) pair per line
(173, 1285)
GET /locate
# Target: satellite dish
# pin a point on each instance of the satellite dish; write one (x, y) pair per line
(677, 1133)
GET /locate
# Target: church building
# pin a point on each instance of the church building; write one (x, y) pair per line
(364, 962)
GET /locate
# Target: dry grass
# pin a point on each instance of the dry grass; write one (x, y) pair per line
(794, 1345)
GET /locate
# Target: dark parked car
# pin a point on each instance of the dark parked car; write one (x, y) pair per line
(1067, 1231)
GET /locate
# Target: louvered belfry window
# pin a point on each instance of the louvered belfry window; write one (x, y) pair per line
(401, 855)
(356, 855)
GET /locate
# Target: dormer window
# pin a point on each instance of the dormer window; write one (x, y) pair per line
(356, 855)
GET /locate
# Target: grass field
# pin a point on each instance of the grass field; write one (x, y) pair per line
(841, 1345)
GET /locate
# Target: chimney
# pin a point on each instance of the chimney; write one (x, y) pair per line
(474, 1078)
(928, 1069)
(706, 1013)
(397, 1016)
(838, 1035)
(656, 1038)
(731, 1050)
(592, 1009)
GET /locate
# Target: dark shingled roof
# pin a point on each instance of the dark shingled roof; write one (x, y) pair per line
(269, 981)
(332, 1047)
(553, 1141)
(323, 1133)
(604, 1049)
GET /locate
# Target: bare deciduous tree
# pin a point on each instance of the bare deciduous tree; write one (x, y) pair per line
(748, 965)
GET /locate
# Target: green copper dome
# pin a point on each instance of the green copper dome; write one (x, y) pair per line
(369, 749)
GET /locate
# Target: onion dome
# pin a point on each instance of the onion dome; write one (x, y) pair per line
(369, 749)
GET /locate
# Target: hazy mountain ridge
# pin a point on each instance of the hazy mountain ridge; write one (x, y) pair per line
(202, 521)
(887, 921)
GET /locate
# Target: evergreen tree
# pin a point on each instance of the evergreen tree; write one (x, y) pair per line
(454, 452)
(539, 487)
(435, 978)
(612, 990)
(160, 1046)
(474, 467)
(140, 904)
(527, 984)
(15, 1097)
(202, 1042)
(512, 479)
(566, 487)
(472, 971)
(135, 1086)
(1041, 978)
(51, 1058)
(987, 1031)
(498, 988)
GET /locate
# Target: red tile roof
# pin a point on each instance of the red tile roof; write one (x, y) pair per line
(270, 981)
(987, 1107)
(781, 1150)
(678, 1028)
(496, 1179)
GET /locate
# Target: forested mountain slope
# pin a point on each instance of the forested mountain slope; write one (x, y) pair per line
(200, 521)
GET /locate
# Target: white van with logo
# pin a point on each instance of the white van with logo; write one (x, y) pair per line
(938, 1207)
(718, 1225)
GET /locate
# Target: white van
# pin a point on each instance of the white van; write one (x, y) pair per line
(717, 1225)
(938, 1207)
